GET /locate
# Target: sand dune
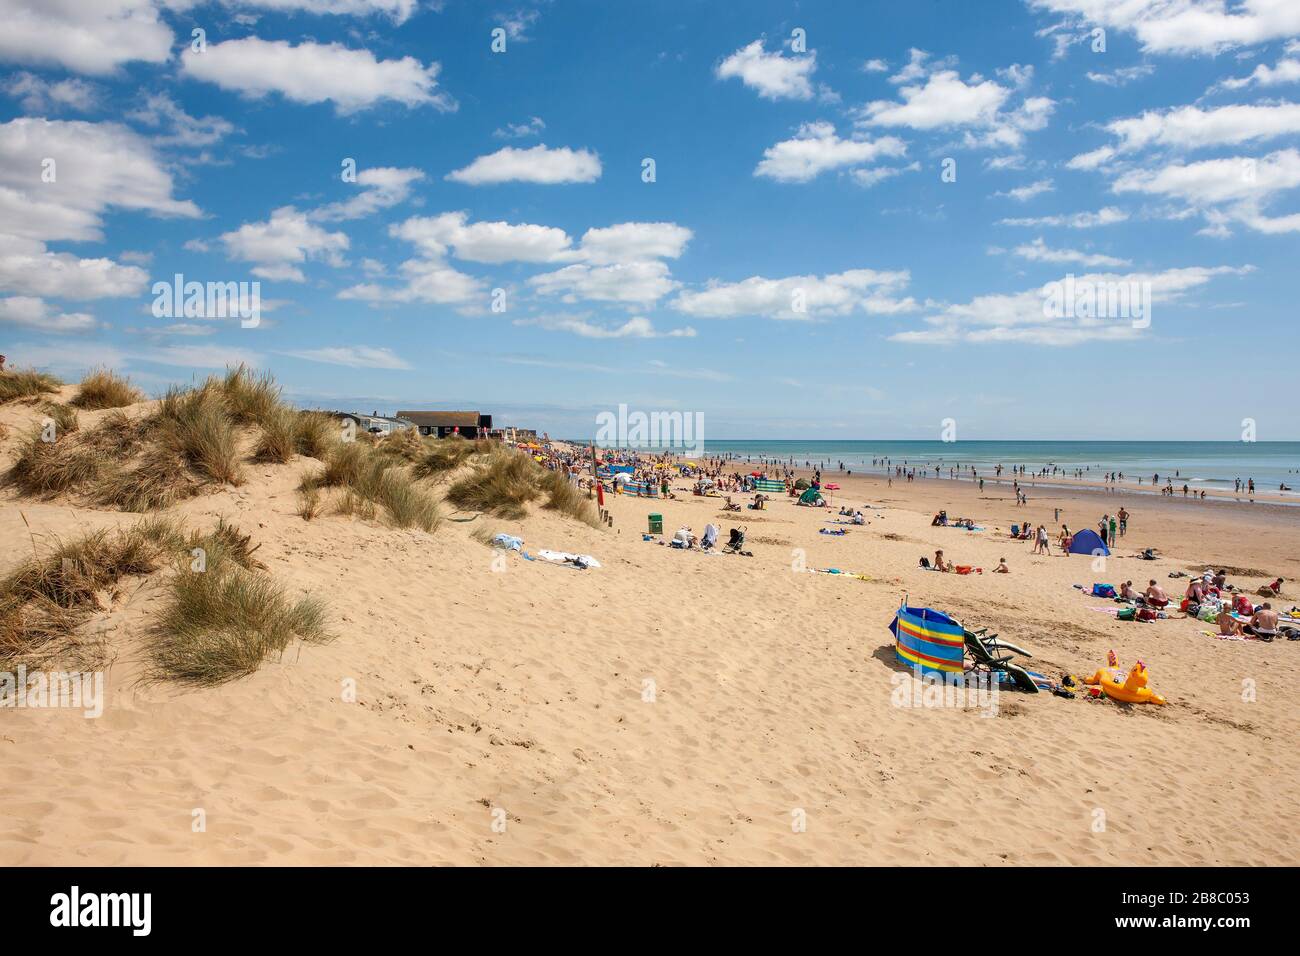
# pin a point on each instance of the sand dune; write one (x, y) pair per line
(668, 708)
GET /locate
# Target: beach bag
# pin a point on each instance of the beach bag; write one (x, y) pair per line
(963, 569)
(925, 563)
(1126, 614)
(1192, 610)
(1146, 614)
(1103, 590)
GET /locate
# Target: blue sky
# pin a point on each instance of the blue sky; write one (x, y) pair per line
(800, 266)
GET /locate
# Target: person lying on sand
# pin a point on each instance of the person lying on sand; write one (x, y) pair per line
(1229, 626)
(939, 563)
(1155, 595)
(1127, 593)
(1002, 567)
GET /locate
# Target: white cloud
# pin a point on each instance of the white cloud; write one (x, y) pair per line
(491, 242)
(1191, 127)
(35, 313)
(1240, 186)
(943, 101)
(1106, 216)
(97, 166)
(429, 281)
(540, 164)
(636, 327)
(283, 243)
(632, 283)
(517, 23)
(1038, 251)
(354, 356)
(379, 187)
(1020, 317)
(800, 297)
(181, 129)
(875, 66)
(816, 148)
(316, 73)
(774, 75)
(26, 266)
(1122, 76)
(85, 37)
(1025, 193)
(1184, 26)
(632, 241)
(398, 11)
(533, 127)
(1287, 70)
(37, 95)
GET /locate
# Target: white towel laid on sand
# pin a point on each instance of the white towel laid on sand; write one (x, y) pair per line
(563, 557)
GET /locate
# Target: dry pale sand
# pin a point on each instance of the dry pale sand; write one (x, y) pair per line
(490, 689)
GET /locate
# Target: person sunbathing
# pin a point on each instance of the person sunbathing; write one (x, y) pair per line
(939, 563)
(1229, 626)
(1195, 591)
(1127, 593)
(1002, 567)
(859, 519)
(1155, 595)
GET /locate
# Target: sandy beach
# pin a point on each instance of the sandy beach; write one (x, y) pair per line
(670, 707)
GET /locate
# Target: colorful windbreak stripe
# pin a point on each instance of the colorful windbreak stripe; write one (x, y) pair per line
(769, 484)
(929, 640)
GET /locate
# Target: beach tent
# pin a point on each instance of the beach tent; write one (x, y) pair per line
(810, 497)
(1088, 541)
(929, 640)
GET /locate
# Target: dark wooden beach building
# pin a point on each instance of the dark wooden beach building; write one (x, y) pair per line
(442, 424)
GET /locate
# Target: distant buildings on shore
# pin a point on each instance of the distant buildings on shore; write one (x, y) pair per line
(439, 424)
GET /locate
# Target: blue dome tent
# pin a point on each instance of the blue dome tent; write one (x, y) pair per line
(1088, 541)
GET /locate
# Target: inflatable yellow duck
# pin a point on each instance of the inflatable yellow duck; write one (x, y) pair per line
(1133, 690)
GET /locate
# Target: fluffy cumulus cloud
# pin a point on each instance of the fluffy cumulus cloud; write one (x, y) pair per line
(540, 164)
(1043, 316)
(426, 281)
(933, 96)
(1194, 127)
(83, 36)
(800, 297)
(26, 266)
(35, 313)
(1231, 188)
(177, 127)
(491, 242)
(1182, 26)
(632, 241)
(378, 188)
(351, 79)
(96, 166)
(816, 148)
(629, 283)
(773, 76)
(1029, 190)
(283, 243)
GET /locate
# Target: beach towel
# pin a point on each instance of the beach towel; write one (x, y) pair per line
(1103, 590)
(563, 557)
(841, 531)
(508, 541)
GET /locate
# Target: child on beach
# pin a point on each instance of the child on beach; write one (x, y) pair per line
(1002, 567)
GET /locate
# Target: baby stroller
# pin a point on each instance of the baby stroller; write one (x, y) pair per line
(736, 544)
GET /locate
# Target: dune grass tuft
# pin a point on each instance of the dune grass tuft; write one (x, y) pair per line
(316, 433)
(223, 622)
(371, 478)
(252, 397)
(26, 383)
(507, 481)
(45, 600)
(445, 455)
(198, 424)
(104, 388)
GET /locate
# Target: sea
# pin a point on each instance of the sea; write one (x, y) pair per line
(1201, 464)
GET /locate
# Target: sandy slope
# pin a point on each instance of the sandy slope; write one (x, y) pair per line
(523, 690)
